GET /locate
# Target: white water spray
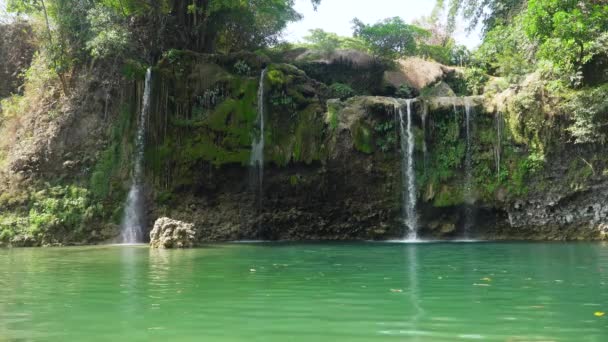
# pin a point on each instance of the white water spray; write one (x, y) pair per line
(498, 147)
(408, 173)
(133, 220)
(425, 113)
(469, 199)
(256, 161)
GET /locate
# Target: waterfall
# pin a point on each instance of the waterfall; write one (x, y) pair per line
(498, 147)
(468, 168)
(408, 174)
(256, 161)
(425, 112)
(133, 220)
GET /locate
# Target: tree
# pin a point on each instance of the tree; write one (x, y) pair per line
(439, 34)
(490, 13)
(56, 49)
(325, 42)
(566, 30)
(390, 38)
(109, 37)
(506, 51)
(226, 25)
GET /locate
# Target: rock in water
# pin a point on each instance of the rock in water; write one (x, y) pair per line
(168, 233)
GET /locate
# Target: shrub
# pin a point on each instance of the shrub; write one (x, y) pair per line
(341, 91)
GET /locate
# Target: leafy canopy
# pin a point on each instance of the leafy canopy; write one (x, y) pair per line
(488, 13)
(390, 38)
(566, 30)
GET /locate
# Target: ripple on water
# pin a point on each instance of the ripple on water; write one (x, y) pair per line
(301, 292)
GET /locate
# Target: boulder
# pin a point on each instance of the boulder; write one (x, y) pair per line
(417, 73)
(168, 233)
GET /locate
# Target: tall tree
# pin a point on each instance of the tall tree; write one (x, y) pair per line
(390, 37)
(566, 30)
(489, 13)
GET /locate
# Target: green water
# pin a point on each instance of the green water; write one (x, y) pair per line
(307, 292)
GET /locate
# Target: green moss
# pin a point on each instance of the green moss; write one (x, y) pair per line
(362, 137)
(134, 70)
(386, 135)
(448, 196)
(579, 172)
(276, 77)
(297, 137)
(294, 180)
(112, 159)
(331, 118)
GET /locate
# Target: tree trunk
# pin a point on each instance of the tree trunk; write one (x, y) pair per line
(64, 84)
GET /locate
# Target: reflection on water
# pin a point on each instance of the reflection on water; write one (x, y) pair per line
(303, 292)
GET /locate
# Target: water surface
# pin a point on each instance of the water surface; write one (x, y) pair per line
(307, 292)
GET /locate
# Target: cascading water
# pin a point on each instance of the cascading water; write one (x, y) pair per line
(408, 174)
(133, 220)
(256, 161)
(425, 112)
(498, 146)
(468, 171)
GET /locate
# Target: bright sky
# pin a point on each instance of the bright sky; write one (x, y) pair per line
(336, 16)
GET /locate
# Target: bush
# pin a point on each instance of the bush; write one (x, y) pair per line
(476, 80)
(242, 68)
(589, 111)
(405, 92)
(341, 91)
(110, 37)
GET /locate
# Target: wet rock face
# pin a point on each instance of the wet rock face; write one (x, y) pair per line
(168, 233)
(580, 215)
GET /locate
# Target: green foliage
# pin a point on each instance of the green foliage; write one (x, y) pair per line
(460, 55)
(109, 36)
(237, 25)
(405, 92)
(324, 42)
(331, 118)
(490, 13)
(133, 70)
(362, 137)
(112, 158)
(476, 80)
(445, 160)
(61, 208)
(242, 68)
(390, 38)
(386, 136)
(341, 91)
(588, 109)
(52, 214)
(566, 29)
(438, 53)
(506, 51)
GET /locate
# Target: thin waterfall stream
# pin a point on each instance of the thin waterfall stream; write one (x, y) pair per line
(468, 194)
(425, 113)
(256, 161)
(408, 173)
(133, 220)
(498, 146)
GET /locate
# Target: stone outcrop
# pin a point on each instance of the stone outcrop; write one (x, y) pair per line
(16, 53)
(333, 167)
(417, 73)
(168, 233)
